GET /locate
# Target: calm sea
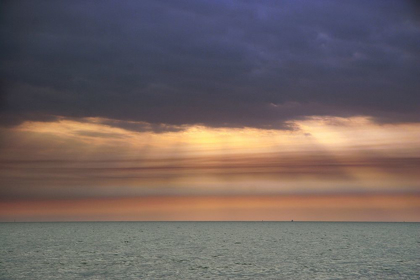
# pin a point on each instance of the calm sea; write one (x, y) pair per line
(209, 250)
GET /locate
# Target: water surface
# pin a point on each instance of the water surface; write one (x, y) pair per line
(209, 250)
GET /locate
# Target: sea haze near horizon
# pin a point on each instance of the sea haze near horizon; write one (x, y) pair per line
(213, 250)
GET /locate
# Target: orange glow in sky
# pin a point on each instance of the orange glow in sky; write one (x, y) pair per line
(89, 160)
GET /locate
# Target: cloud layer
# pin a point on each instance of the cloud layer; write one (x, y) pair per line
(215, 63)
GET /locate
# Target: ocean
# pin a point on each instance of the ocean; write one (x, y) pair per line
(209, 250)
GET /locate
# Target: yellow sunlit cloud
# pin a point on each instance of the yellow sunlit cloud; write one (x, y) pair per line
(94, 158)
(327, 134)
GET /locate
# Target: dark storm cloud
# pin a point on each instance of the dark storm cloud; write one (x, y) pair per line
(217, 63)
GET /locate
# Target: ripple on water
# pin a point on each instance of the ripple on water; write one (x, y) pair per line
(210, 250)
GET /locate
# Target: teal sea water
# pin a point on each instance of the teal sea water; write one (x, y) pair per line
(209, 250)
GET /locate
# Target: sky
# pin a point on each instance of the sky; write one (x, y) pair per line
(210, 110)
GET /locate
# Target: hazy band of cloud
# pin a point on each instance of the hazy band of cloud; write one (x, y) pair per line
(275, 173)
(349, 207)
